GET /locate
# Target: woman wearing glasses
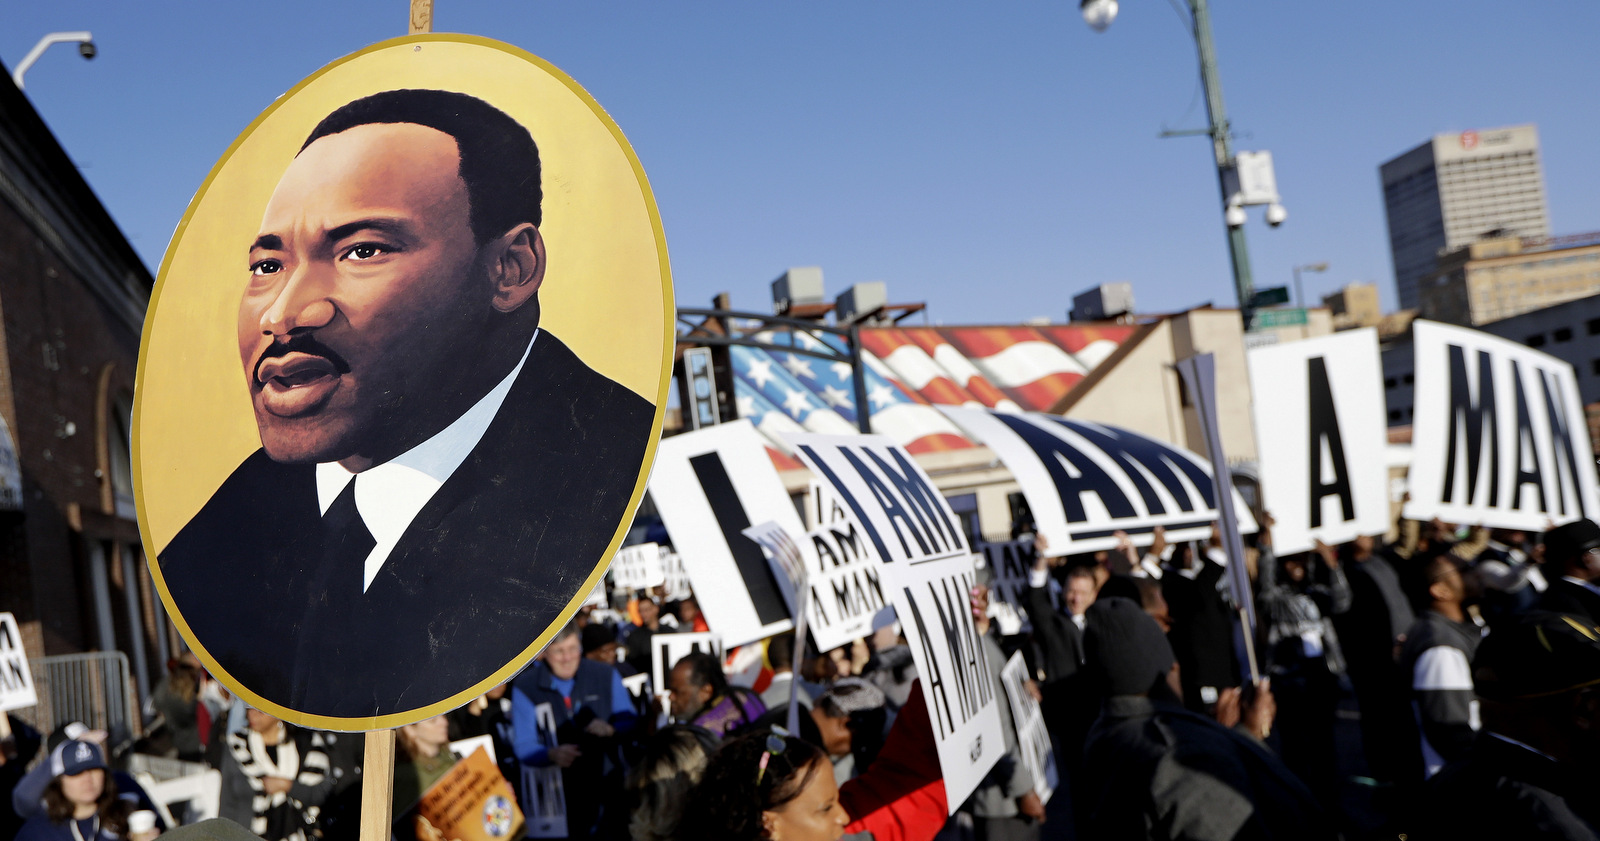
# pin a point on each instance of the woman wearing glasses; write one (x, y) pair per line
(766, 785)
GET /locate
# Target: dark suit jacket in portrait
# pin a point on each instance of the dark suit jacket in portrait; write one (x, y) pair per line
(482, 570)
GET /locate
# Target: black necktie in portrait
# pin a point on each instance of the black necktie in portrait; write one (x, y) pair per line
(346, 543)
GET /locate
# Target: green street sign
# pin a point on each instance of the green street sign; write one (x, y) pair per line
(1278, 318)
(1270, 297)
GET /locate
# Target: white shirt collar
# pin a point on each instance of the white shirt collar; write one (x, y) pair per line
(390, 495)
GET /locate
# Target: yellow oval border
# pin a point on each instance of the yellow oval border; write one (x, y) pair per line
(669, 316)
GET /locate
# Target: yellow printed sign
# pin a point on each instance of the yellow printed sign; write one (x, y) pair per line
(471, 802)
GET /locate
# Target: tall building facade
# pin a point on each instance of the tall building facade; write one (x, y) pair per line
(1454, 189)
(1498, 278)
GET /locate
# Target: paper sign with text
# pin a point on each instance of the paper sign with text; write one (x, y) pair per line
(638, 567)
(1033, 740)
(1498, 436)
(928, 568)
(16, 681)
(543, 790)
(667, 649)
(471, 802)
(1321, 434)
(1086, 481)
(709, 486)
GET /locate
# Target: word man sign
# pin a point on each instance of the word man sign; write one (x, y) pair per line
(1498, 435)
(928, 566)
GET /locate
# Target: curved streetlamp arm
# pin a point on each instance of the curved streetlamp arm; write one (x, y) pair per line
(79, 37)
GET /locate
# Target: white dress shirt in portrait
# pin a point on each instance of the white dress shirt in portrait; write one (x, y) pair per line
(390, 495)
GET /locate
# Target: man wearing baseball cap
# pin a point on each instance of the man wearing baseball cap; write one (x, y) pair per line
(1532, 771)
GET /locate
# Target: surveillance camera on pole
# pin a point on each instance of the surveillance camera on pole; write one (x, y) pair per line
(1249, 180)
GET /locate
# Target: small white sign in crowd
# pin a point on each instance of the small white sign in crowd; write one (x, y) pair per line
(16, 680)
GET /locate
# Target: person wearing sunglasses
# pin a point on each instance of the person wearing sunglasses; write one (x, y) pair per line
(766, 784)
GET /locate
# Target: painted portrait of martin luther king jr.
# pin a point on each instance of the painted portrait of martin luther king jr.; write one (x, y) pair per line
(438, 473)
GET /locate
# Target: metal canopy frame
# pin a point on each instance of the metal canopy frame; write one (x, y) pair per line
(698, 334)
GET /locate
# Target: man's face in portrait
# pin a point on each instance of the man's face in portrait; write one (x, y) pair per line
(368, 299)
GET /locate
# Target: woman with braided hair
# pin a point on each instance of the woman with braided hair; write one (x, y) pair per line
(766, 785)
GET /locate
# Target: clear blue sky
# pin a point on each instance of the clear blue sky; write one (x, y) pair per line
(991, 159)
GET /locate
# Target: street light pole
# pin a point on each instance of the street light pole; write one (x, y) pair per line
(1099, 14)
(1222, 147)
(84, 40)
(1299, 297)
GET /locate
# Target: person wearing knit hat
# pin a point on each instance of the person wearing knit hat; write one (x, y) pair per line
(1572, 554)
(1154, 769)
(1531, 772)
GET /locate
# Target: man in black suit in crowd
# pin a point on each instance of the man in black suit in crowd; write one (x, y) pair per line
(438, 476)
(1572, 551)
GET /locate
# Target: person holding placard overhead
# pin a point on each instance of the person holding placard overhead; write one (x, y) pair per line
(1163, 771)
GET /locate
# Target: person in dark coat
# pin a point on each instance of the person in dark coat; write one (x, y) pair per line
(15, 754)
(1371, 632)
(1531, 772)
(1572, 553)
(1163, 771)
(1202, 625)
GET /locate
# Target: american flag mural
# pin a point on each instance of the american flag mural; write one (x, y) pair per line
(909, 371)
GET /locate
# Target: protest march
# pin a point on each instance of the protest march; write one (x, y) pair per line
(444, 517)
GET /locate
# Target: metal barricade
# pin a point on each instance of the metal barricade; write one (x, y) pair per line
(93, 688)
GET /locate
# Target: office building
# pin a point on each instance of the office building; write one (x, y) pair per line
(1356, 305)
(1454, 189)
(1500, 277)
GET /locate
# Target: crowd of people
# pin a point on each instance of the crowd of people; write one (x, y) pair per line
(1445, 684)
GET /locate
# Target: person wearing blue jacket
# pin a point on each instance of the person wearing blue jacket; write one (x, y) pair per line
(573, 713)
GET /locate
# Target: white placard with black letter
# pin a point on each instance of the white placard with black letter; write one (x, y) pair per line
(1085, 481)
(1033, 740)
(638, 567)
(667, 649)
(16, 681)
(676, 577)
(1321, 438)
(928, 566)
(710, 486)
(1498, 435)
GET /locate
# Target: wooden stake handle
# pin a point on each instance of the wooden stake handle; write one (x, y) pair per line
(377, 786)
(421, 16)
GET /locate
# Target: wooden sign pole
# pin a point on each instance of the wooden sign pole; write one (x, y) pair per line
(377, 786)
(421, 16)
(377, 761)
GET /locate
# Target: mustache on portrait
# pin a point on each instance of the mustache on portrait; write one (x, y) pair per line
(305, 343)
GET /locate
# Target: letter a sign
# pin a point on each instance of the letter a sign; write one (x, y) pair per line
(1320, 432)
(927, 566)
(1499, 436)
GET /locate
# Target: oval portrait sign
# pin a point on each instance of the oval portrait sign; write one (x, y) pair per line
(401, 382)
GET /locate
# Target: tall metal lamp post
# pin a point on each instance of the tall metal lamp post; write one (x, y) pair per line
(1299, 297)
(1246, 178)
(84, 40)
